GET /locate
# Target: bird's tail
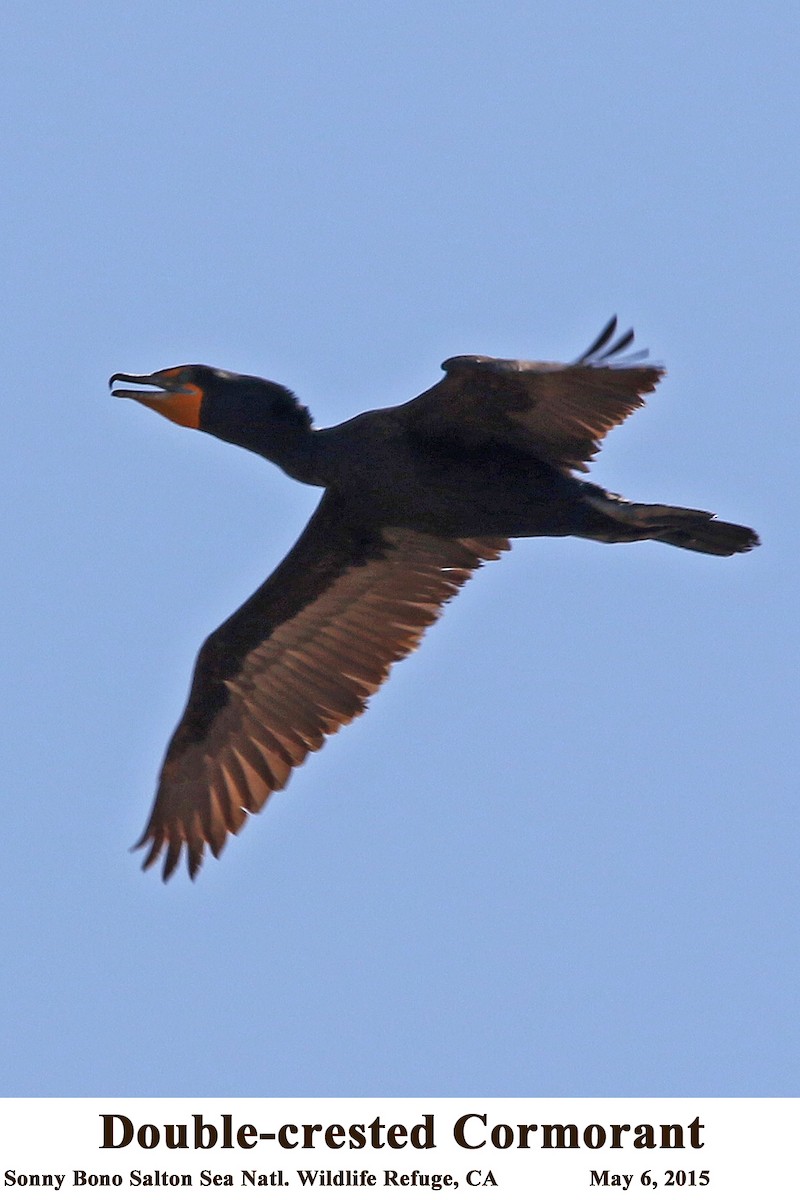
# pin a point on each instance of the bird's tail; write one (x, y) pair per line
(689, 528)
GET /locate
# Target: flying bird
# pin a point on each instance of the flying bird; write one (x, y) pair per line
(416, 497)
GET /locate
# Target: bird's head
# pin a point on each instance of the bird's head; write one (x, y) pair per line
(242, 409)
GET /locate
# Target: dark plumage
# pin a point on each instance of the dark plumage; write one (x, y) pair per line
(416, 498)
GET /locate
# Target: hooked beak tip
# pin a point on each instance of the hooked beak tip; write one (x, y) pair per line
(120, 377)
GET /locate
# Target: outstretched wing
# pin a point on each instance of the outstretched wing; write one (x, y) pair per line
(558, 411)
(298, 660)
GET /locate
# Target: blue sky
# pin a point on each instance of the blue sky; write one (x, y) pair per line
(559, 854)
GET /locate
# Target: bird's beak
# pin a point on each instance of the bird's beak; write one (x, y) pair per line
(179, 402)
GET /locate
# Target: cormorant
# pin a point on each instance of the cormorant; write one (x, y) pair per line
(416, 498)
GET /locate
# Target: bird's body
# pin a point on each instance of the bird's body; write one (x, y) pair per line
(415, 498)
(390, 475)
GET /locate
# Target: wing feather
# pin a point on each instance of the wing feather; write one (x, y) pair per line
(295, 663)
(559, 412)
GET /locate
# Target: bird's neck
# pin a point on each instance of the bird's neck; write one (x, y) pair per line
(292, 448)
(290, 445)
(270, 422)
